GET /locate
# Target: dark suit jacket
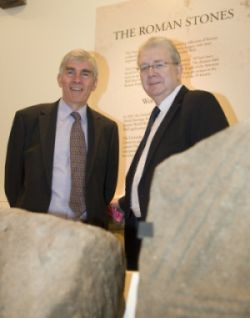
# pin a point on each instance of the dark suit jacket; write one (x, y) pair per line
(194, 115)
(29, 161)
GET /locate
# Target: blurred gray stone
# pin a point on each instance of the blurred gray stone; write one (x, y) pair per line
(55, 268)
(197, 265)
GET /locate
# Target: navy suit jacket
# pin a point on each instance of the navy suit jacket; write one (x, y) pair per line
(193, 116)
(29, 161)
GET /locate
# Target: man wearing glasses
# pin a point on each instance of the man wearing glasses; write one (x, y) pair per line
(181, 118)
(62, 157)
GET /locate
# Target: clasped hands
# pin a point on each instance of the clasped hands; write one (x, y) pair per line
(115, 212)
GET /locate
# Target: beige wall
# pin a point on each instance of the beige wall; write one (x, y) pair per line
(34, 37)
(212, 37)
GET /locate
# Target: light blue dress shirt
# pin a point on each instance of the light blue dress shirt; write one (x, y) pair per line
(61, 175)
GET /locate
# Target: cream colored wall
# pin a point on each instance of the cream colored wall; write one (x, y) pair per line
(34, 37)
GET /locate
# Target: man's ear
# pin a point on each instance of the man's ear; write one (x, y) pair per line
(59, 80)
(179, 70)
(95, 85)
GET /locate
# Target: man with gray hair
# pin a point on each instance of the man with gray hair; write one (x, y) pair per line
(180, 119)
(62, 157)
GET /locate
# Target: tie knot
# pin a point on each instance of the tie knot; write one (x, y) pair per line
(154, 114)
(76, 116)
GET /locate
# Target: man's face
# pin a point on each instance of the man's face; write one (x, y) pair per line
(77, 82)
(159, 76)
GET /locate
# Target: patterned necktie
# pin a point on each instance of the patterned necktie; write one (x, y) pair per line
(77, 163)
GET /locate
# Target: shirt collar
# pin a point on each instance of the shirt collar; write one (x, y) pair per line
(167, 102)
(64, 111)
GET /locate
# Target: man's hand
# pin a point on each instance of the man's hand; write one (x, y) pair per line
(116, 213)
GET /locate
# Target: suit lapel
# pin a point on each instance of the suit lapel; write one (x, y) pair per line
(93, 137)
(47, 122)
(162, 130)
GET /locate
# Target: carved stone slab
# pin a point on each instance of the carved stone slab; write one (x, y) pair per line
(50, 267)
(197, 265)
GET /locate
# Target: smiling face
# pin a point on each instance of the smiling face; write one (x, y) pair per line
(77, 81)
(159, 75)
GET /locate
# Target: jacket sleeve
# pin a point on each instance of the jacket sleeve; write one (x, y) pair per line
(14, 161)
(112, 165)
(206, 116)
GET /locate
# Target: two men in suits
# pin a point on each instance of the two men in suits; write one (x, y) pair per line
(37, 170)
(185, 117)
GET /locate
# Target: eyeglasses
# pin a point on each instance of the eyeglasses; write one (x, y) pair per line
(158, 66)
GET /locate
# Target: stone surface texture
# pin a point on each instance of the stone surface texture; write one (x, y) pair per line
(56, 268)
(197, 265)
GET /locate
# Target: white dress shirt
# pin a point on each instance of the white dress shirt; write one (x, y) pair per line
(61, 174)
(164, 107)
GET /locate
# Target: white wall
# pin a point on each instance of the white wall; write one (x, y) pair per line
(34, 38)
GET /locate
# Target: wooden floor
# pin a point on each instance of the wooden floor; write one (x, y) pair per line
(130, 291)
(118, 230)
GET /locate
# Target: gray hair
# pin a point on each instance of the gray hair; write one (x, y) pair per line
(79, 55)
(161, 42)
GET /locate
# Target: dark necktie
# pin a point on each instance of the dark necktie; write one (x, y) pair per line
(152, 118)
(154, 114)
(77, 163)
(138, 153)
